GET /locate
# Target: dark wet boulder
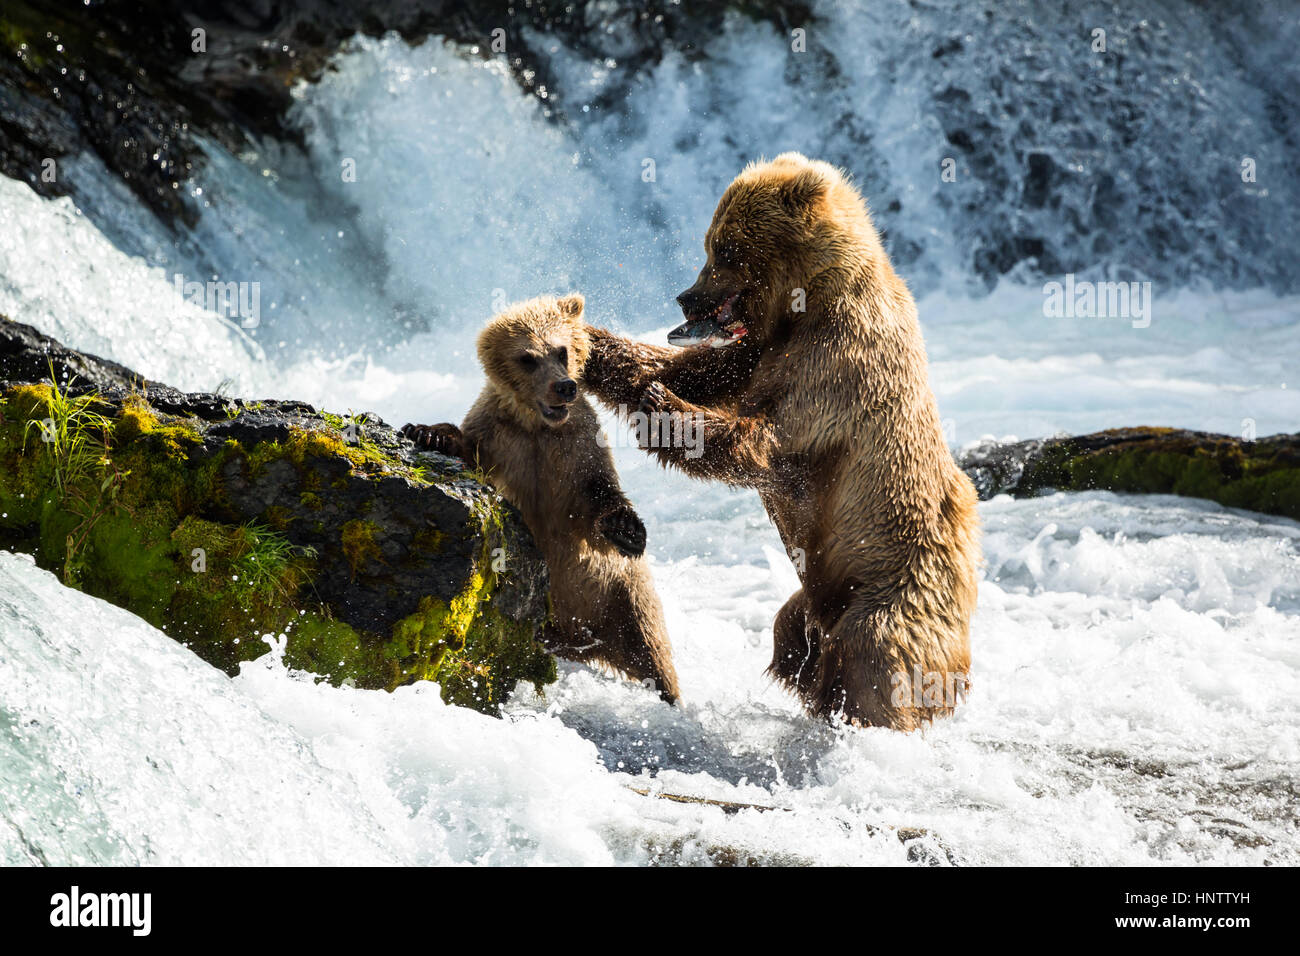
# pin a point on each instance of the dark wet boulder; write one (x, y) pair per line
(222, 521)
(1259, 475)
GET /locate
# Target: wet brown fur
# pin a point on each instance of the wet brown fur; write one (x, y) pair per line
(604, 608)
(828, 413)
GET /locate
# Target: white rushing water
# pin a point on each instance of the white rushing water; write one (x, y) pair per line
(1136, 658)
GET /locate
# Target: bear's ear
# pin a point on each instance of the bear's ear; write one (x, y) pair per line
(799, 191)
(571, 305)
(581, 343)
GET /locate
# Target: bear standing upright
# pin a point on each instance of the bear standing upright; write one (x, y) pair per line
(537, 440)
(816, 394)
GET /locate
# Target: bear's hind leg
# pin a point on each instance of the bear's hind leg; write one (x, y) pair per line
(644, 653)
(646, 656)
(631, 634)
(796, 645)
(866, 672)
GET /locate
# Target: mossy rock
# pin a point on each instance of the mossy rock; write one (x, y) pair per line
(1258, 475)
(222, 521)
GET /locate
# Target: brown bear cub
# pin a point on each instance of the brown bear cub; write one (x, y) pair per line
(538, 441)
(816, 394)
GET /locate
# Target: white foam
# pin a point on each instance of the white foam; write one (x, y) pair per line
(1129, 706)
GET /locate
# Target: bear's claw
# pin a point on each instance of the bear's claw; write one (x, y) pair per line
(623, 528)
(655, 398)
(443, 438)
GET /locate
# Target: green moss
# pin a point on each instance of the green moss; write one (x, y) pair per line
(279, 517)
(306, 443)
(1276, 493)
(235, 582)
(319, 644)
(23, 42)
(26, 468)
(130, 560)
(136, 419)
(359, 545)
(125, 530)
(23, 401)
(420, 640)
(474, 652)
(430, 540)
(515, 656)
(142, 526)
(1258, 476)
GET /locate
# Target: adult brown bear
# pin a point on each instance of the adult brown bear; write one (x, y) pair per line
(820, 401)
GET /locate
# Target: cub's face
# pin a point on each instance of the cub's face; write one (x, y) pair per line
(535, 351)
(546, 376)
(760, 247)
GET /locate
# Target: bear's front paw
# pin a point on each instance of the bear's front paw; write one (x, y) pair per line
(444, 438)
(656, 399)
(623, 529)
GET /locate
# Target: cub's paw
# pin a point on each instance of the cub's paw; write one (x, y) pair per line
(444, 438)
(624, 530)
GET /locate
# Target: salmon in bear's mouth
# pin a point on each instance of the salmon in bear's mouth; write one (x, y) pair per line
(715, 329)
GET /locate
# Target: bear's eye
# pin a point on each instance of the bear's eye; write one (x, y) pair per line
(528, 361)
(563, 355)
(724, 256)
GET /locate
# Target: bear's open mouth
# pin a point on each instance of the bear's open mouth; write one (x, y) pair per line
(553, 413)
(716, 328)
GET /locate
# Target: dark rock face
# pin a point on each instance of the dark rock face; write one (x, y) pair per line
(381, 564)
(123, 78)
(77, 78)
(1258, 475)
(996, 468)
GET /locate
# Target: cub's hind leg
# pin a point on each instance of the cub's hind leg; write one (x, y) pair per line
(635, 638)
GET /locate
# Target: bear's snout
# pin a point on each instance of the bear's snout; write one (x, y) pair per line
(566, 390)
(689, 301)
